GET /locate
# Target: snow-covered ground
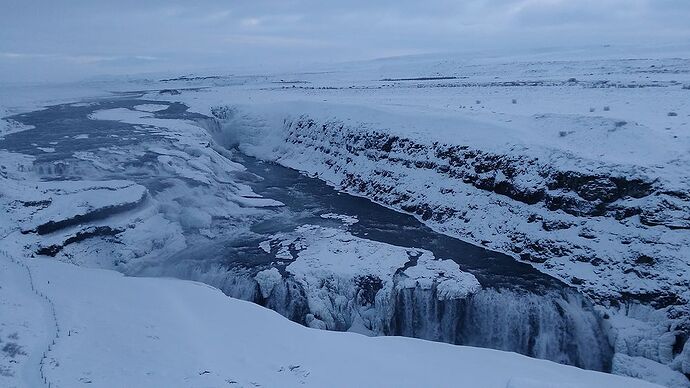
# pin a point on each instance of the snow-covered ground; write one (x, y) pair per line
(117, 331)
(577, 165)
(333, 262)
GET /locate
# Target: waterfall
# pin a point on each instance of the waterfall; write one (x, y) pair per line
(558, 326)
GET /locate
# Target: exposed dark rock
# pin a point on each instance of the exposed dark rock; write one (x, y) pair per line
(534, 218)
(645, 260)
(40, 203)
(573, 205)
(368, 287)
(555, 225)
(90, 232)
(526, 256)
(521, 178)
(598, 189)
(575, 193)
(98, 214)
(657, 300)
(587, 233)
(670, 212)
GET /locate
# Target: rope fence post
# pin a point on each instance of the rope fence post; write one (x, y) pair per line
(53, 314)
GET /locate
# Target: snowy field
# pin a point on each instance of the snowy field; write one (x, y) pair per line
(577, 165)
(117, 331)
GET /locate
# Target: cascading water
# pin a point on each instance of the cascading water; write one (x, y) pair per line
(557, 326)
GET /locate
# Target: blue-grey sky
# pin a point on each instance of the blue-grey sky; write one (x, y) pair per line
(51, 39)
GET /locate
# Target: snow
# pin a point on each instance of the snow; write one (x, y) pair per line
(551, 116)
(644, 368)
(338, 271)
(552, 135)
(328, 253)
(452, 282)
(167, 332)
(594, 113)
(150, 107)
(345, 219)
(24, 330)
(267, 280)
(265, 246)
(338, 252)
(271, 132)
(19, 98)
(128, 116)
(612, 119)
(130, 223)
(10, 126)
(65, 202)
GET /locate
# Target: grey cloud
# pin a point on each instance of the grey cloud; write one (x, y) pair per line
(211, 33)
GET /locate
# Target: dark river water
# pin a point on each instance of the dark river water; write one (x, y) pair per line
(521, 309)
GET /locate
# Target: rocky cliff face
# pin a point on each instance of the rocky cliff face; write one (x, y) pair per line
(573, 210)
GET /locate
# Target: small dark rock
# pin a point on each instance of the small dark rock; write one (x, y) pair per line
(368, 286)
(587, 233)
(602, 189)
(533, 218)
(583, 258)
(645, 260)
(555, 225)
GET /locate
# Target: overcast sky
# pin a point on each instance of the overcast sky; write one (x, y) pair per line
(52, 39)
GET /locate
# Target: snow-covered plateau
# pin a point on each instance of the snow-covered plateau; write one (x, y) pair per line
(564, 177)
